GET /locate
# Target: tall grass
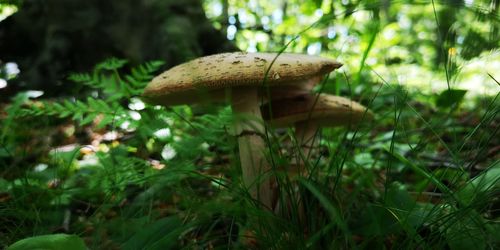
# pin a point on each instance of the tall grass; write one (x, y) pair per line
(418, 176)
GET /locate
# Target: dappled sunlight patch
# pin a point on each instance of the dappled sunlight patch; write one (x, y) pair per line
(473, 75)
(168, 152)
(40, 167)
(110, 136)
(155, 164)
(7, 10)
(34, 93)
(3, 83)
(163, 133)
(88, 160)
(135, 115)
(64, 149)
(136, 104)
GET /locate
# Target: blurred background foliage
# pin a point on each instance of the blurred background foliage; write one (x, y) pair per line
(80, 153)
(429, 45)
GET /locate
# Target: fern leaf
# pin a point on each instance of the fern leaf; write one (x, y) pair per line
(111, 64)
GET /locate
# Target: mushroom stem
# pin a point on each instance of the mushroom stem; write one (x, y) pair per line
(305, 133)
(249, 128)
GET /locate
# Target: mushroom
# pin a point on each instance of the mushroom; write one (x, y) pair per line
(308, 113)
(244, 78)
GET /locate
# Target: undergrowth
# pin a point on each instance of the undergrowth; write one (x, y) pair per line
(122, 174)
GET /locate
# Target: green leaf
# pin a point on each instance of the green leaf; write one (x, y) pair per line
(318, 3)
(88, 119)
(80, 78)
(467, 231)
(50, 242)
(376, 220)
(111, 64)
(333, 212)
(422, 172)
(481, 187)
(162, 234)
(450, 97)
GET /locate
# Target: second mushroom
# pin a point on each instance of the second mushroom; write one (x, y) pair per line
(307, 113)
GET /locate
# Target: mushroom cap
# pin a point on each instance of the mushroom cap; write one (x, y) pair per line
(325, 110)
(210, 76)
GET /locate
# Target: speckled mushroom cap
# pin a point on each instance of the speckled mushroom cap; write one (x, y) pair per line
(209, 76)
(328, 110)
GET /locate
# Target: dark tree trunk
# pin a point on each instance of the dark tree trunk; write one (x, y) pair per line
(50, 39)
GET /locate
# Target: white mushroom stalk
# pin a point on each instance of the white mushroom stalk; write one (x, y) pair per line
(249, 128)
(305, 134)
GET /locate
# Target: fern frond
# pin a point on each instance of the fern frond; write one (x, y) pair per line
(114, 86)
(144, 71)
(115, 90)
(141, 75)
(82, 112)
(86, 79)
(80, 78)
(111, 64)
